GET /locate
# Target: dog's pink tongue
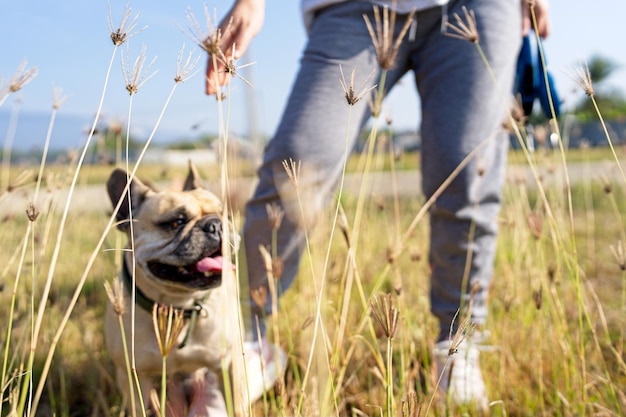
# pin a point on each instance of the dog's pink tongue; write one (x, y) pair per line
(210, 264)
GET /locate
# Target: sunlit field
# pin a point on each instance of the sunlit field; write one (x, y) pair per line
(557, 323)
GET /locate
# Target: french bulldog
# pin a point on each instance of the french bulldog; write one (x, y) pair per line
(173, 258)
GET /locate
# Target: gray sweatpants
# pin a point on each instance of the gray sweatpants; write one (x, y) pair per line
(460, 109)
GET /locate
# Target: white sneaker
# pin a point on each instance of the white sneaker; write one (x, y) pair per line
(461, 379)
(265, 363)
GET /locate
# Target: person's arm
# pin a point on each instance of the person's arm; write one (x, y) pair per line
(242, 23)
(541, 14)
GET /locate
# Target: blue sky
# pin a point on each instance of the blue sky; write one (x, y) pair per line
(69, 43)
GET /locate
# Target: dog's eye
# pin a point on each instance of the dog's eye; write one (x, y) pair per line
(174, 223)
(177, 223)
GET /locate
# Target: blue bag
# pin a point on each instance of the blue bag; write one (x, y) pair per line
(530, 82)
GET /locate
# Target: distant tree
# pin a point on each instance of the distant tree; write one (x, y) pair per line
(610, 100)
(189, 144)
(111, 142)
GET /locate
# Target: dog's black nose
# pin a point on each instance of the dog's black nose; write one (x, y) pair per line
(213, 228)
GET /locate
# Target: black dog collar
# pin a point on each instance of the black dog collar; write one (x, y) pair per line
(147, 304)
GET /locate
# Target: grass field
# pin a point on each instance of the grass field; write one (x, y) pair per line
(557, 319)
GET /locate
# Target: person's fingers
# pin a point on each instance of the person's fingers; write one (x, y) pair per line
(215, 76)
(543, 23)
(525, 18)
(540, 12)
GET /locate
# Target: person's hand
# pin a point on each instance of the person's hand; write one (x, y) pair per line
(242, 23)
(541, 14)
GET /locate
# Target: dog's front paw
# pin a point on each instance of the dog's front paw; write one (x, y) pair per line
(206, 397)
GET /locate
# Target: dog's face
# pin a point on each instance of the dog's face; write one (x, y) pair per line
(177, 235)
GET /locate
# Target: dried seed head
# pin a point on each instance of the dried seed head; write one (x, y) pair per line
(517, 112)
(386, 314)
(582, 76)
(185, 68)
(293, 171)
(209, 36)
(20, 78)
(344, 226)
(23, 178)
(535, 223)
(136, 76)
(4, 91)
(466, 28)
(382, 35)
(279, 388)
(480, 169)
(307, 322)
(476, 287)
(278, 265)
(397, 287)
(551, 272)
(115, 293)
(618, 254)
(259, 296)
(127, 24)
(273, 266)
(115, 127)
(168, 324)
(32, 212)
(410, 406)
(607, 187)
(275, 215)
(352, 97)
(538, 298)
(230, 66)
(57, 98)
(391, 255)
(464, 330)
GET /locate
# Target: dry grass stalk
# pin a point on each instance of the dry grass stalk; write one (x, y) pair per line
(375, 103)
(465, 28)
(382, 35)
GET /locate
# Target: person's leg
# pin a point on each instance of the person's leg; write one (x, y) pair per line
(463, 110)
(318, 128)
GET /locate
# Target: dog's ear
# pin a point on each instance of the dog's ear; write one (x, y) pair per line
(115, 187)
(193, 180)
